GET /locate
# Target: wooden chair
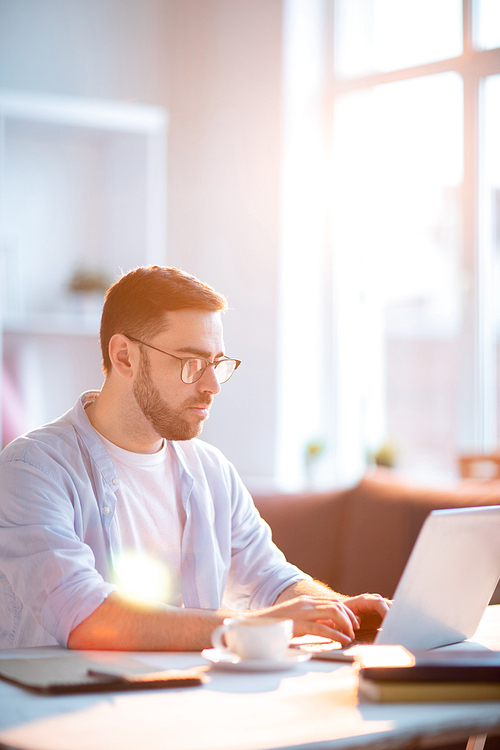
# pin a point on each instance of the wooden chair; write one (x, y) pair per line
(480, 466)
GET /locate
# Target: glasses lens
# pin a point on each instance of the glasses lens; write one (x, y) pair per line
(224, 369)
(192, 370)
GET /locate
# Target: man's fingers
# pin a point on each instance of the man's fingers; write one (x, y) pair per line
(335, 612)
(330, 618)
(346, 614)
(368, 603)
(322, 629)
(356, 622)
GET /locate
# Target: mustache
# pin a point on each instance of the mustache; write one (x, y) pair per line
(201, 400)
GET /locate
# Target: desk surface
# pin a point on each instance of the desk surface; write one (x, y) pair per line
(312, 706)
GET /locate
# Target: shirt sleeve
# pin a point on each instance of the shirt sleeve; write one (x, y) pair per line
(51, 570)
(259, 570)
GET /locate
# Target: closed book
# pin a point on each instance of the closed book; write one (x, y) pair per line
(435, 676)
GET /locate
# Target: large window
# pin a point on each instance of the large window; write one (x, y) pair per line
(409, 290)
(416, 170)
(490, 219)
(398, 169)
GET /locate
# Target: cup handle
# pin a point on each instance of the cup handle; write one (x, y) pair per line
(217, 637)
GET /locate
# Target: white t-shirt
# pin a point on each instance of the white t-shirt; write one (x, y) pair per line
(149, 521)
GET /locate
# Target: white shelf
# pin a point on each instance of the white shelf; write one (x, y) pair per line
(88, 113)
(53, 324)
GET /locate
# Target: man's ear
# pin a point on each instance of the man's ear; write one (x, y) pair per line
(124, 355)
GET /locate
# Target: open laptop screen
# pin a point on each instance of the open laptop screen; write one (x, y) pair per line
(448, 580)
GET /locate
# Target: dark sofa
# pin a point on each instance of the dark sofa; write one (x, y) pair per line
(359, 539)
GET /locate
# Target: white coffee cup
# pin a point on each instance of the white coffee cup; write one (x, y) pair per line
(253, 637)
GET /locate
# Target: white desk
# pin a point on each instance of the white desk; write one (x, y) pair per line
(313, 706)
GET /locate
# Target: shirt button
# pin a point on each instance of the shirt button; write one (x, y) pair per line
(105, 510)
(116, 480)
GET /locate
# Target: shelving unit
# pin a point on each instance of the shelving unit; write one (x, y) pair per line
(82, 188)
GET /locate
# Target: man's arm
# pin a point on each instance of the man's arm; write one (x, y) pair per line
(123, 625)
(309, 587)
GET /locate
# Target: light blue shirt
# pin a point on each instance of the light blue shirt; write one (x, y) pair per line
(57, 537)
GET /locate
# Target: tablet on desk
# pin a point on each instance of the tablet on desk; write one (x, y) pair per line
(73, 673)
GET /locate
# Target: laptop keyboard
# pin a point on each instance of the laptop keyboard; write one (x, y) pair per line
(364, 636)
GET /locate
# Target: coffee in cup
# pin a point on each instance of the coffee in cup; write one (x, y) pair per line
(253, 637)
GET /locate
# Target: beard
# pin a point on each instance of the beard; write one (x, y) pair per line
(168, 422)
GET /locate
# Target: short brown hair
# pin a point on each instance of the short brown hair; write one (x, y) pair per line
(137, 302)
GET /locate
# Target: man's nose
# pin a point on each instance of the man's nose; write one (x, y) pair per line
(209, 382)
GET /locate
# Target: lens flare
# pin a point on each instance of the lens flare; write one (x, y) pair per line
(382, 656)
(144, 577)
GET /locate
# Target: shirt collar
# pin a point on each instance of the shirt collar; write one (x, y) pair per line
(94, 444)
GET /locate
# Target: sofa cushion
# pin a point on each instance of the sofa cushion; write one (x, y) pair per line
(384, 519)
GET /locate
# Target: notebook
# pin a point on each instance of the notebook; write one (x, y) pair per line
(448, 580)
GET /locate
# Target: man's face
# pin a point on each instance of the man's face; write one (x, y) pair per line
(175, 410)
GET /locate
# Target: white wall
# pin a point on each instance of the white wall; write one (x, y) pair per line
(215, 65)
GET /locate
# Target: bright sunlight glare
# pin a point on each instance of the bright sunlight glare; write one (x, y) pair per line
(143, 577)
(382, 656)
(489, 24)
(381, 35)
(399, 150)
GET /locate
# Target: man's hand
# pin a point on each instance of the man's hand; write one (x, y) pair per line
(366, 610)
(368, 604)
(316, 616)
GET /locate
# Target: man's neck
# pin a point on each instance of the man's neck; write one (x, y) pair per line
(119, 420)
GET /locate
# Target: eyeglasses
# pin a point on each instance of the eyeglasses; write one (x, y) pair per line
(192, 368)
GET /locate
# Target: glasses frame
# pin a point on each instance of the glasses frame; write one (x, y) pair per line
(184, 360)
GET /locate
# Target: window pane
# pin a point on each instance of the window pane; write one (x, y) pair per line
(397, 175)
(380, 35)
(488, 26)
(490, 205)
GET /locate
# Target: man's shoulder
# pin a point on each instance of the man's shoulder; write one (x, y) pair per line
(52, 436)
(57, 438)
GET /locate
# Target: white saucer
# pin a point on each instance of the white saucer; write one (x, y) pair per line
(226, 660)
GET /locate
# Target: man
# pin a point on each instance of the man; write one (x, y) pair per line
(122, 473)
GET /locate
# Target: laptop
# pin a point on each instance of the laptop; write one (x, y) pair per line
(448, 581)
